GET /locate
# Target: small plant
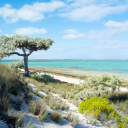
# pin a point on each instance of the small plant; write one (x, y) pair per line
(20, 119)
(73, 118)
(35, 107)
(60, 104)
(4, 103)
(45, 78)
(16, 64)
(91, 118)
(28, 97)
(56, 116)
(29, 124)
(43, 113)
(51, 101)
(115, 82)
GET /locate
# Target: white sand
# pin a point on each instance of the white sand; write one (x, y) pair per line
(74, 80)
(83, 123)
(65, 79)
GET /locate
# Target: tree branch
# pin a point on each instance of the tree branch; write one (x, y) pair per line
(23, 50)
(29, 53)
(16, 54)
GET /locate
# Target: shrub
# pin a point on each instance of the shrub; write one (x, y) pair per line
(4, 103)
(56, 116)
(35, 107)
(10, 81)
(43, 113)
(116, 82)
(95, 106)
(73, 118)
(45, 78)
(51, 101)
(60, 104)
(16, 64)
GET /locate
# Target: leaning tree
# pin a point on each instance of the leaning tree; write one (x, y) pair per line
(28, 45)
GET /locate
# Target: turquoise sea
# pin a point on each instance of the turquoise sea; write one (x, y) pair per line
(110, 66)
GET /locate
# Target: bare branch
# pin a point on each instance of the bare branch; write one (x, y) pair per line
(29, 53)
(16, 54)
(23, 50)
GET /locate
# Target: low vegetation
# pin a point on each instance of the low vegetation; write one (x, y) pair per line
(16, 64)
(56, 116)
(73, 118)
(107, 87)
(98, 97)
(11, 83)
(97, 106)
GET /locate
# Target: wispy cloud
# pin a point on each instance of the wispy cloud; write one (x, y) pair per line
(84, 10)
(30, 13)
(111, 28)
(30, 31)
(73, 34)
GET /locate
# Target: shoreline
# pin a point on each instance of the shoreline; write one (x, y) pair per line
(71, 79)
(73, 72)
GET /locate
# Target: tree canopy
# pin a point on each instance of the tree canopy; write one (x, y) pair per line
(9, 45)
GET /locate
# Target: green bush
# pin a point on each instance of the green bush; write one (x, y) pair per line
(56, 116)
(16, 64)
(45, 78)
(35, 107)
(11, 81)
(96, 105)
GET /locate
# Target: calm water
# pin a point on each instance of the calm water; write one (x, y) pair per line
(119, 67)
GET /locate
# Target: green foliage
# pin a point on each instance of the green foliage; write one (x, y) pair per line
(10, 81)
(35, 107)
(45, 78)
(72, 117)
(16, 64)
(4, 103)
(20, 119)
(51, 101)
(56, 116)
(95, 106)
(43, 113)
(116, 82)
(8, 44)
(99, 88)
(60, 104)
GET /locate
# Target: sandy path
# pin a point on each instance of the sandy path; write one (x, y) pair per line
(83, 123)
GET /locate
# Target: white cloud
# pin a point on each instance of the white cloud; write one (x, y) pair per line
(31, 13)
(0, 30)
(73, 34)
(117, 27)
(112, 28)
(30, 31)
(84, 10)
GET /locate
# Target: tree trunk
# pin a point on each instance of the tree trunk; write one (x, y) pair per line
(26, 66)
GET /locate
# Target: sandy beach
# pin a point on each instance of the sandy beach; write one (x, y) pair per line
(71, 80)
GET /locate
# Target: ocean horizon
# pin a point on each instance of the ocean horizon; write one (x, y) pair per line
(110, 66)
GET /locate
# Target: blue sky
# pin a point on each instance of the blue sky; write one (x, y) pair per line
(81, 29)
